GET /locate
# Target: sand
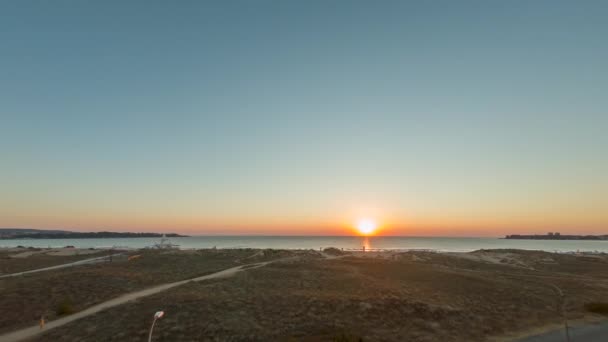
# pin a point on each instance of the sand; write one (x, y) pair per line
(18, 253)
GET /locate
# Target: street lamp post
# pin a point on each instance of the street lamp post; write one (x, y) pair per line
(157, 315)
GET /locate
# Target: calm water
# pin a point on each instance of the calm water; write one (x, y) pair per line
(315, 242)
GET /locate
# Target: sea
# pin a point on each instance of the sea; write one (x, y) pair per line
(441, 244)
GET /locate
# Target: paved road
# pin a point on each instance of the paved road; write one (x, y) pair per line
(80, 262)
(584, 333)
(35, 330)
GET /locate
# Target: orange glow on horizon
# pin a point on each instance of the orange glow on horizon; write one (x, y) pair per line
(338, 224)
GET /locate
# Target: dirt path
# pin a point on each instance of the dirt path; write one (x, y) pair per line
(35, 330)
(75, 263)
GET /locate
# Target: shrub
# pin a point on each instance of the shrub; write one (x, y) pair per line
(347, 338)
(597, 307)
(333, 251)
(65, 308)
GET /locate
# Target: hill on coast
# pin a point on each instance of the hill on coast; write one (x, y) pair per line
(17, 233)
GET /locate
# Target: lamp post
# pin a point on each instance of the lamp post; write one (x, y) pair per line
(157, 315)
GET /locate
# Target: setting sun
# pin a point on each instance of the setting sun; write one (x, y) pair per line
(366, 226)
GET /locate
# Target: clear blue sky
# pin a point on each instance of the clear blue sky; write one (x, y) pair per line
(433, 117)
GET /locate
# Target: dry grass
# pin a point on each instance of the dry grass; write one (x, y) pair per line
(26, 298)
(14, 265)
(428, 298)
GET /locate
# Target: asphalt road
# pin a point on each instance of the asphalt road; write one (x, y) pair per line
(584, 333)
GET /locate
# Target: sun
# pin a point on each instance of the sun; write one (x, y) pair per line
(366, 226)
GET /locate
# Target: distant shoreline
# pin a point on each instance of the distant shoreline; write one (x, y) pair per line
(26, 234)
(314, 242)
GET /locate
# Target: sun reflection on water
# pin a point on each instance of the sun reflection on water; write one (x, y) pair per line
(366, 245)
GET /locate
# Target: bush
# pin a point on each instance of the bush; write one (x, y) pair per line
(333, 251)
(598, 308)
(347, 338)
(65, 308)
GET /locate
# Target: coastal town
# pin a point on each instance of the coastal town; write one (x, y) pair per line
(556, 236)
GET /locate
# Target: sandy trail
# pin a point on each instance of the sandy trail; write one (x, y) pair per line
(80, 262)
(52, 252)
(35, 330)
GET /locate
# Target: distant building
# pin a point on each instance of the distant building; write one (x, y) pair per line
(558, 236)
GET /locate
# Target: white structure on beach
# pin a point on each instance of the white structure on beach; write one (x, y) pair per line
(165, 244)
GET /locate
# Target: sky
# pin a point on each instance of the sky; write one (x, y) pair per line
(434, 118)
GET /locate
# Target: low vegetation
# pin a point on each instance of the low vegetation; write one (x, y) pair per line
(414, 296)
(333, 251)
(9, 263)
(26, 298)
(598, 308)
(65, 307)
